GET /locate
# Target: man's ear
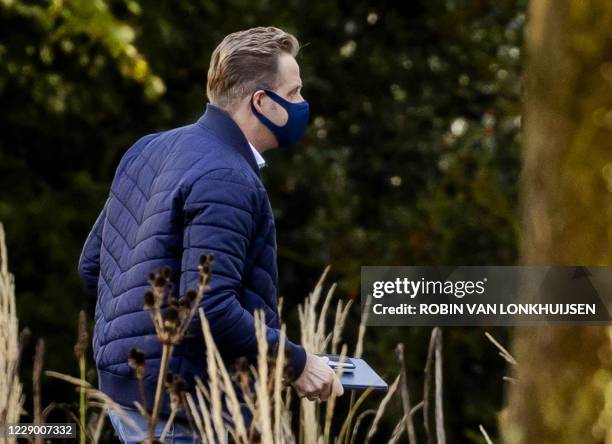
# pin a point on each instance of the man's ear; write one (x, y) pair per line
(257, 99)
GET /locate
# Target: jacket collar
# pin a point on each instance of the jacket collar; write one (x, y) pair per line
(221, 124)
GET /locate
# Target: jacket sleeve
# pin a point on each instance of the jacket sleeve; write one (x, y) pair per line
(89, 262)
(219, 212)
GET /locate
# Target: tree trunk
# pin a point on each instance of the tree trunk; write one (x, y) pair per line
(566, 196)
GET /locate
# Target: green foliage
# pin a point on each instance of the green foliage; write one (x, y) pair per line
(411, 156)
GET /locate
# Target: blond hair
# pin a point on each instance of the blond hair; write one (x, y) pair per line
(246, 61)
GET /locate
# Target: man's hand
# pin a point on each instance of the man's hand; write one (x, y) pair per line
(318, 380)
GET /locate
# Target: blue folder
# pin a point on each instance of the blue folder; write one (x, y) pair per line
(361, 377)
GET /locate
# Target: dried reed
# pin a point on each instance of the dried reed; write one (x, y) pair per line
(217, 408)
(11, 397)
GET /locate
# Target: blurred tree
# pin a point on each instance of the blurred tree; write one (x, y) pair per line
(67, 72)
(564, 377)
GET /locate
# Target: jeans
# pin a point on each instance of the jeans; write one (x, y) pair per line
(178, 433)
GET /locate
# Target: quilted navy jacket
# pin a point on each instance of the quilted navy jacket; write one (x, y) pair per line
(177, 195)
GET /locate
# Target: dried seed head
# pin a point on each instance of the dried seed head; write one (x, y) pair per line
(172, 302)
(255, 436)
(183, 303)
(168, 331)
(191, 296)
(176, 387)
(149, 299)
(91, 377)
(83, 337)
(180, 385)
(288, 372)
(136, 358)
(166, 272)
(240, 371)
(159, 281)
(169, 378)
(172, 315)
(206, 261)
(151, 277)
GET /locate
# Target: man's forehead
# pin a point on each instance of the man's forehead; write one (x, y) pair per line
(289, 71)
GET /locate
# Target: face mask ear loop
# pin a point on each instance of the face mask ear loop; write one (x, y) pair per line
(263, 118)
(278, 99)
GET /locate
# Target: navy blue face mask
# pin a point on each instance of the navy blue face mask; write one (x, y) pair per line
(297, 120)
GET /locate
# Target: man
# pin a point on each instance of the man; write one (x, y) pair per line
(196, 190)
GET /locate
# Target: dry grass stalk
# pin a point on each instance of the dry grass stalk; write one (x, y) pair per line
(216, 409)
(331, 402)
(359, 346)
(197, 418)
(267, 405)
(416, 408)
(312, 320)
(80, 349)
(39, 356)
(97, 398)
(173, 412)
(502, 351)
(11, 397)
(398, 431)
(405, 395)
(343, 436)
(214, 392)
(381, 410)
(362, 328)
(170, 326)
(210, 431)
(310, 430)
(96, 423)
(485, 434)
(339, 321)
(314, 339)
(400, 427)
(164, 362)
(427, 385)
(278, 388)
(219, 369)
(440, 434)
(270, 410)
(264, 411)
(217, 388)
(358, 421)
